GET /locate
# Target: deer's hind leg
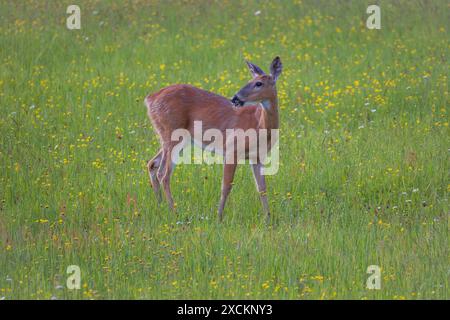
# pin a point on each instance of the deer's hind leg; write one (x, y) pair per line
(153, 166)
(165, 172)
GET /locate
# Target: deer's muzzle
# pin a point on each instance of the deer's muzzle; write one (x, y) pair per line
(237, 102)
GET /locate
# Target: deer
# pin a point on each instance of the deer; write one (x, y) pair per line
(254, 106)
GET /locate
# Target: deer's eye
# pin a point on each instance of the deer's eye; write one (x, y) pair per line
(258, 84)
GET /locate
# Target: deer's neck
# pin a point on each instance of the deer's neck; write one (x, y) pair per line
(269, 114)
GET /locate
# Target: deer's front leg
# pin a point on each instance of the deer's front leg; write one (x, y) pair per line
(260, 181)
(227, 182)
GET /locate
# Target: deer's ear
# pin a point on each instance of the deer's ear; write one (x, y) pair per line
(276, 67)
(254, 69)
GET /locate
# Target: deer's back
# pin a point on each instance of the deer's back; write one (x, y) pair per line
(179, 105)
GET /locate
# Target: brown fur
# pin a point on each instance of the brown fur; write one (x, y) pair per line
(178, 106)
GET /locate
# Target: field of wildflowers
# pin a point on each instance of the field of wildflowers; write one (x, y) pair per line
(364, 151)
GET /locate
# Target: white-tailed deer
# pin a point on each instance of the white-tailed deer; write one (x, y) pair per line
(178, 106)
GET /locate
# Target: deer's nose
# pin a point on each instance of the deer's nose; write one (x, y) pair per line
(236, 101)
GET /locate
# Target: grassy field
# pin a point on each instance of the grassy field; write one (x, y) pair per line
(364, 151)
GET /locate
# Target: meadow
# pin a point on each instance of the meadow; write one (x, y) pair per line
(364, 151)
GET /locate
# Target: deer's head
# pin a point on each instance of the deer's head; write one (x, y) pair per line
(262, 86)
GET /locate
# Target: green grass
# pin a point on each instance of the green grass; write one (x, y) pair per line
(364, 174)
